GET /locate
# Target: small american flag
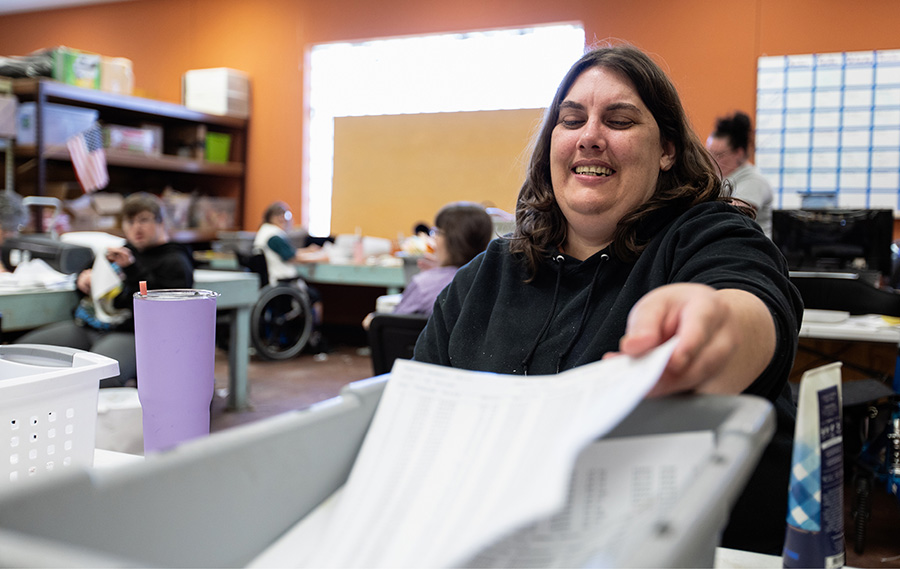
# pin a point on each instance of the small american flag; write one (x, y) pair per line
(89, 159)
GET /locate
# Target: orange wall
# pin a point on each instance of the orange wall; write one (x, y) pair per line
(709, 47)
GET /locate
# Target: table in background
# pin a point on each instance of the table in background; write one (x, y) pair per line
(393, 278)
(859, 330)
(239, 292)
(863, 328)
(32, 308)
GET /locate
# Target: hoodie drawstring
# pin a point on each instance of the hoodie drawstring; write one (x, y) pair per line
(581, 323)
(559, 259)
(584, 313)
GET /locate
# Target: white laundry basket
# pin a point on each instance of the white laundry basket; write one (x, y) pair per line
(48, 408)
(220, 501)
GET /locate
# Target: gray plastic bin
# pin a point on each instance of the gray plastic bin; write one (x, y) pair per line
(220, 501)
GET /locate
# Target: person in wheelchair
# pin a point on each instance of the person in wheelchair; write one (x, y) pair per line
(273, 240)
(461, 231)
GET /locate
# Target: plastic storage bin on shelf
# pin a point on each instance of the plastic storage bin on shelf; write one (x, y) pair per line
(218, 147)
(48, 408)
(60, 123)
(221, 501)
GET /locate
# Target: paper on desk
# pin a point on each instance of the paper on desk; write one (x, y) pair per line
(35, 274)
(455, 459)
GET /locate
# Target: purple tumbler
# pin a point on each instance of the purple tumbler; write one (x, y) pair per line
(174, 336)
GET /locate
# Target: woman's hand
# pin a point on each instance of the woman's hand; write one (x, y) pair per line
(83, 281)
(121, 256)
(726, 337)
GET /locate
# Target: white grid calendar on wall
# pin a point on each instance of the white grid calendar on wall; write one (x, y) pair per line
(828, 129)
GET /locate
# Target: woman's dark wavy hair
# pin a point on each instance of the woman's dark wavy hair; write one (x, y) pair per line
(692, 179)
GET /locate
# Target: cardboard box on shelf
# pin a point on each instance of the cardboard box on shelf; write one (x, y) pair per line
(89, 214)
(116, 75)
(178, 207)
(76, 67)
(143, 140)
(218, 91)
(214, 213)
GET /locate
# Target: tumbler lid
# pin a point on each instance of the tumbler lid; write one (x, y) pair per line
(176, 294)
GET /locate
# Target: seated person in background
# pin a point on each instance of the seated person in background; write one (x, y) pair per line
(730, 145)
(12, 216)
(147, 256)
(462, 231)
(624, 239)
(272, 239)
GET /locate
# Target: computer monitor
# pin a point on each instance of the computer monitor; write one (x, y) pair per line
(835, 240)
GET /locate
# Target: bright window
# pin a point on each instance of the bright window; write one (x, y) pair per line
(475, 71)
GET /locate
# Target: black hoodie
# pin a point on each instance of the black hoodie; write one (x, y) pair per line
(575, 311)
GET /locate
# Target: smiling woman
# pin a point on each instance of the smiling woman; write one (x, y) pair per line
(623, 240)
(606, 155)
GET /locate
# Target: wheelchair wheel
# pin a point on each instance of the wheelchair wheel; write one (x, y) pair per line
(281, 322)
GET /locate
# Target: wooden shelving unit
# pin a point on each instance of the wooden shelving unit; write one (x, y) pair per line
(180, 166)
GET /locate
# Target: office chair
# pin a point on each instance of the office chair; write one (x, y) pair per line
(845, 292)
(281, 321)
(393, 336)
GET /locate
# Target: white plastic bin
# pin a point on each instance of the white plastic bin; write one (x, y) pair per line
(48, 408)
(61, 122)
(222, 500)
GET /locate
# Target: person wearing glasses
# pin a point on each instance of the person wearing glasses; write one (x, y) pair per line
(730, 144)
(108, 328)
(461, 231)
(273, 240)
